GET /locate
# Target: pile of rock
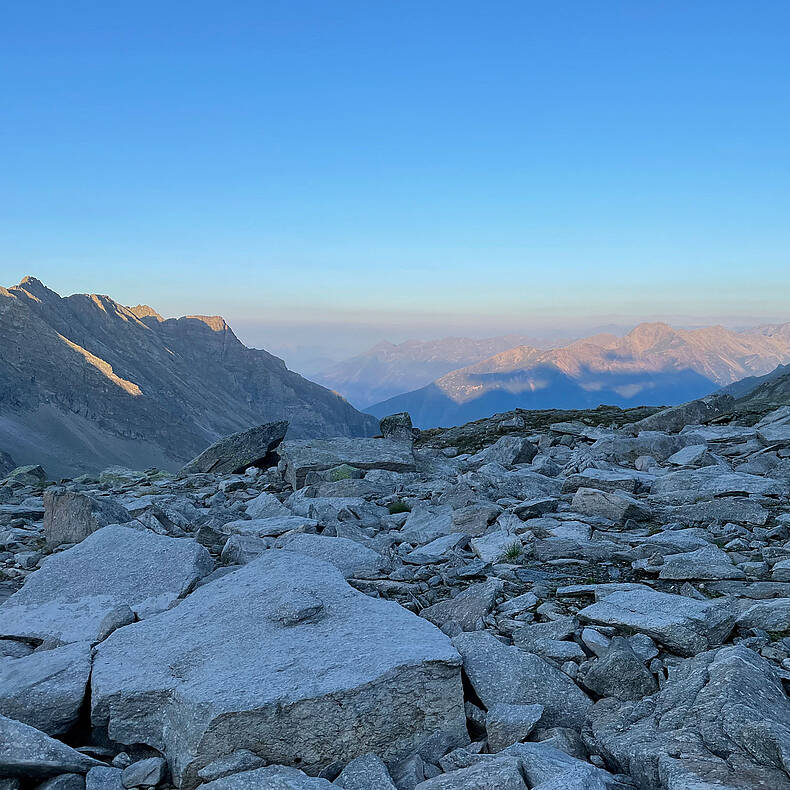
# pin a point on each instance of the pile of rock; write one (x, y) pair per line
(575, 608)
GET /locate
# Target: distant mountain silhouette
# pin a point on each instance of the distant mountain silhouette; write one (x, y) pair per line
(388, 369)
(653, 364)
(86, 383)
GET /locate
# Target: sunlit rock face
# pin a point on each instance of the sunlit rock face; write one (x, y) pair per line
(88, 383)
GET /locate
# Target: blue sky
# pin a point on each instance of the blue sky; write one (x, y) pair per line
(401, 167)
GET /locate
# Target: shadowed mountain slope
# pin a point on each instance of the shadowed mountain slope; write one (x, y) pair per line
(86, 382)
(652, 365)
(389, 369)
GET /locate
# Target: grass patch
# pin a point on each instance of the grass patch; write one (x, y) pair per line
(514, 551)
(399, 507)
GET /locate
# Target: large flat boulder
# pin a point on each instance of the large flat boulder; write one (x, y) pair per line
(684, 625)
(46, 689)
(313, 672)
(721, 720)
(70, 517)
(234, 453)
(301, 456)
(31, 754)
(69, 597)
(690, 485)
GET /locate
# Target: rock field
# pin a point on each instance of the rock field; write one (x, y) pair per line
(572, 607)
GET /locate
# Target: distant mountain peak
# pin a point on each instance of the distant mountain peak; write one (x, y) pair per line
(88, 383)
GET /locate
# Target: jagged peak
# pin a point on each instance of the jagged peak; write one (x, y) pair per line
(34, 289)
(145, 311)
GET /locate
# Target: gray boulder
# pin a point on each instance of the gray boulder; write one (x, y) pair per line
(619, 673)
(675, 418)
(707, 563)
(365, 773)
(352, 559)
(104, 777)
(502, 674)
(495, 773)
(144, 773)
(397, 426)
(314, 672)
(271, 777)
(684, 625)
(508, 724)
(29, 475)
(31, 754)
(426, 523)
(301, 456)
(721, 720)
(233, 454)
(508, 451)
(64, 782)
(616, 506)
(69, 517)
(46, 689)
(67, 599)
(467, 608)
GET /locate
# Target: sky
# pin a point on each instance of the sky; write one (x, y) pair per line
(327, 174)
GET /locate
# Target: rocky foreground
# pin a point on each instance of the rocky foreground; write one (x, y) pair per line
(578, 607)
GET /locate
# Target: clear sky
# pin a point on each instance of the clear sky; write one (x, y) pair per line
(401, 164)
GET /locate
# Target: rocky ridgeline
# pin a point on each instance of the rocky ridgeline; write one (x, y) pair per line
(578, 607)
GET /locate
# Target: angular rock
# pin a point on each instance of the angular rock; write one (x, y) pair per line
(365, 773)
(437, 550)
(235, 453)
(397, 426)
(241, 549)
(496, 546)
(502, 674)
(426, 523)
(313, 672)
(266, 505)
(46, 689)
(508, 451)
(602, 480)
(352, 559)
(508, 724)
(64, 782)
(30, 475)
(619, 673)
(497, 773)
(70, 517)
(684, 625)
(31, 754)
(772, 616)
(104, 778)
(67, 599)
(144, 773)
(272, 777)
(722, 720)
(314, 455)
(615, 505)
(467, 608)
(707, 563)
(675, 418)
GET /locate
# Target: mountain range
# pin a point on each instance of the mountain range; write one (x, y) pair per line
(653, 364)
(86, 383)
(389, 369)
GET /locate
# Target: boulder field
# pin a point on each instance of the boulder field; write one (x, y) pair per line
(572, 607)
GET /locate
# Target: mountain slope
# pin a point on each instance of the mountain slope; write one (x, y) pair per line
(86, 382)
(653, 364)
(388, 369)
